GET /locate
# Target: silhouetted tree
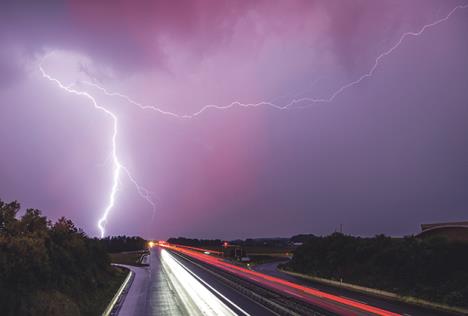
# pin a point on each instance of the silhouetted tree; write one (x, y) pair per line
(123, 243)
(193, 242)
(41, 262)
(434, 269)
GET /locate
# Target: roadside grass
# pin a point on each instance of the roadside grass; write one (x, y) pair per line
(261, 259)
(75, 302)
(131, 258)
(256, 260)
(104, 295)
(254, 250)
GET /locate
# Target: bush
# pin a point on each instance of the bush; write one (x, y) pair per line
(47, 267)
(432, 269)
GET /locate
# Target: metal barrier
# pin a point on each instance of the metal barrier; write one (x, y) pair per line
(116, 302)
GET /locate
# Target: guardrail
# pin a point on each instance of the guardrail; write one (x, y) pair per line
(116, 302)
(383, 294)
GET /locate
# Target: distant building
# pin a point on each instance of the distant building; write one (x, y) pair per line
(454, 231)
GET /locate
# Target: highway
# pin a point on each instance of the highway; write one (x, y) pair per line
(172, 286)
(398, 307)
(183, 281)
(293, 296)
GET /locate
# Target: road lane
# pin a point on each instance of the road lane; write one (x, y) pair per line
(398, 307)
(177, 285)
(151, 291)
(333, 303)
(170, 287)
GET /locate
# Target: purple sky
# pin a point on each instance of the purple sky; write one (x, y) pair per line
(384, 156)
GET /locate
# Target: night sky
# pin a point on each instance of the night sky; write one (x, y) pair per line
(383, 156)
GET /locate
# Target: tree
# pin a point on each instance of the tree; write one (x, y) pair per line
(432, 269)
(41, 261)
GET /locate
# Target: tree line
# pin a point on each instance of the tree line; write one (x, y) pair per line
(52, 268)
(433, 269)
(249, 242)
(194, 242)
(123, 243)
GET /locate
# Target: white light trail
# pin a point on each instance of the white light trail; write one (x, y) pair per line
(118, 167)
(196, 298)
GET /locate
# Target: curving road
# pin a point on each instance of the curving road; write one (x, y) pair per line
(397, 307)
(171, 285)
(183, 281)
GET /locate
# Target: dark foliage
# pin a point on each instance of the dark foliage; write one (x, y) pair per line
(262, 242)
(249, 242)
(301, 238)
(45, 265)
(123, 243)
(192, 242)
(433, 269)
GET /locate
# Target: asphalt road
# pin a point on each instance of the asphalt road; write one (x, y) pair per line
(171, 285)
(396, 307)
(179, 285)
(290, 293)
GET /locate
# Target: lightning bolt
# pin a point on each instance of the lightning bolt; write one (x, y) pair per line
(118, 168)
(293, 102)
(143, 192)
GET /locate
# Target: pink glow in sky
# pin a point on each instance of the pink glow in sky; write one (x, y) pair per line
(383, 157)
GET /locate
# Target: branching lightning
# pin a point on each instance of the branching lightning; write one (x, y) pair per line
(293, 102)
(143, 192)
(307, 101)
(117, 167)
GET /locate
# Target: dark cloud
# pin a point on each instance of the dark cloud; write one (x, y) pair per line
(124, 34)
(383, 157)
(130, 35)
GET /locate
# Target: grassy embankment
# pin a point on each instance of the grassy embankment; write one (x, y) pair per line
(99, 301)
(131, 258)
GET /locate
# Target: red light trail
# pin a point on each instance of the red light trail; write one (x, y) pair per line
(308, 294)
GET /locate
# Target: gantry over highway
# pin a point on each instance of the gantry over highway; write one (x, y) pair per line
(184, 280)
